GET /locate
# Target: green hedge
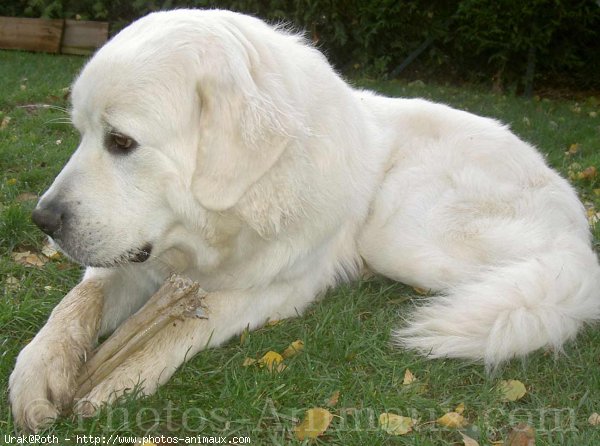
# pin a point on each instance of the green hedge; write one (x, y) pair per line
(507, 42)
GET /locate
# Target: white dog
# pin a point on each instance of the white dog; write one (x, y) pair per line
(227, 150)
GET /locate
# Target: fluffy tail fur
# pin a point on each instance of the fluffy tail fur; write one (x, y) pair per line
(511, 309)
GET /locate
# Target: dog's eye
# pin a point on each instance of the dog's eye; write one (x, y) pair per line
(119, 143)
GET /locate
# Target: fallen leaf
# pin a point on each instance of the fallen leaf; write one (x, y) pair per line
(4, 123)
(512, 390)
(12, 283)
(573, 149)
(409, 378)
(421, 291)
(27, 258)
(452, 420)
(270, 361)
(293, 349)
(248, 362)
(396, 424)
(11, 181)
(272, 322)
(460, 408)
(315, 423)
(26, 196)
(244, 336)
(49, 251)
(521, 435)
(588, 173)
(468, 441)
(594, 419)
(333, 399)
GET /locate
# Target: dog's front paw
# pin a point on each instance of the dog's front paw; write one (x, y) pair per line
(43, 382)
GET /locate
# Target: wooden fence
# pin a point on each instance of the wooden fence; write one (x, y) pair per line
(52, 36)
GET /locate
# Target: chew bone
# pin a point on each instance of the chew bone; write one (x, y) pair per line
(178, 298)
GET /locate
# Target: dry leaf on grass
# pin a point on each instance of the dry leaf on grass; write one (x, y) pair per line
(12, 284)
(453, 420)
(315, 423)
(521, 435)
(512, 390)
(4, 123)
(333, 399)
(594, 419)
(49, 251)
(271, 361)
(293, 349)
(589, 173)
(26, 196)
(396, 424)
(573, 149)
(29, 259)
(409, 378)
(468, 441)
(248, 362)
(272, 322)
(460, 408)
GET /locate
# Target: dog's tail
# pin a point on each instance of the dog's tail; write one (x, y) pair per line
(512, 309)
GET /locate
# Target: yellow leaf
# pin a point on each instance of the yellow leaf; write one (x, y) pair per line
(573, 149)
(27, 258)
(26, 196)
(512, 390)
(4, 123)
(270, 360)
(453, 420)
(409, 378)
(12, 283)
(294, 348)
(272, 322)
(594, 419)
(11, 181)
(468, 441)
(333, 399)
(248, 362)
(244, 336)
(521, 435)
(50, 252)
(597, 192)
(421, 291)
(589, 173)
(460, 408)
(315, 423)
(396, 424)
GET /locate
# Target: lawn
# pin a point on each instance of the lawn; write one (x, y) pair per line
(347, 354)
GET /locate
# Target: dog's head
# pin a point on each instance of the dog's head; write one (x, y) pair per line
(179, 115)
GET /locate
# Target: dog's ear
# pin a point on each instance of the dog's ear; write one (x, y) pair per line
(247, 121)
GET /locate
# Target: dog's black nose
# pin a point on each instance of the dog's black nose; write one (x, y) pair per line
(48, 219)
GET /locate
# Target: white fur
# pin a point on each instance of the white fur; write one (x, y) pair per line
(265, 177)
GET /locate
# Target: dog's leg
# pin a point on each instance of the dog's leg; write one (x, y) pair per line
(44, 379)
(228, 314)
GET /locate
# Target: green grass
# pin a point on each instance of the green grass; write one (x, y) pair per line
(346, 335)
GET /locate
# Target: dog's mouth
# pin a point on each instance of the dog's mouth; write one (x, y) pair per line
(137, 255)
(142, 254)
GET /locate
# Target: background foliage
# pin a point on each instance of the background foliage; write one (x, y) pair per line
(482, 40)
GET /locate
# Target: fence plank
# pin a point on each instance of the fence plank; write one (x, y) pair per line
(83, 37)
(31, 34)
